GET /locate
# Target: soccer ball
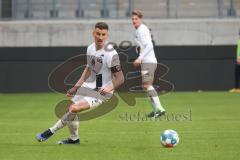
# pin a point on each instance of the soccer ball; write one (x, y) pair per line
(169, 138)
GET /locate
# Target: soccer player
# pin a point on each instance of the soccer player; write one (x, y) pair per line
(237, 69)
(101, 76)
(147, 61)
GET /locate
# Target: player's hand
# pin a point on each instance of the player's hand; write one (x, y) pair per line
(238, 61)
(137, 63)
(104, 90)
(72, 91)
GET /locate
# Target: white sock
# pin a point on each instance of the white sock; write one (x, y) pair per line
(57, 126)
(73, 128)
(153, 96)
(63, 121)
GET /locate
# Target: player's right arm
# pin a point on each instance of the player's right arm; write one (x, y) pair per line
(86, 73)
(146, 46)
(146, 42)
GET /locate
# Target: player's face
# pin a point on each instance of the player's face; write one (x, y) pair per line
(136, 21)
(100, 37)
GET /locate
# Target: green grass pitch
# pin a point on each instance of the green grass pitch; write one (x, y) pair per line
(211, 133)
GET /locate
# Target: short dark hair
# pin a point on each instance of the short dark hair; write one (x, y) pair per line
(137, 13)
(101, 25)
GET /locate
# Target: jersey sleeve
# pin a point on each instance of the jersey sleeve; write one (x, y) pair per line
(113, 59)
(146, 41)
(143, 38)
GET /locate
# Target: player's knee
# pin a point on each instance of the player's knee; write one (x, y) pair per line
(75, 108)
(145, 86)
(72, 108)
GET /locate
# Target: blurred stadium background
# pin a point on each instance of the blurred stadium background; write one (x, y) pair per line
(196, 39)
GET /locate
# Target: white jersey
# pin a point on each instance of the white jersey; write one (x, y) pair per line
(100, 61)
(144, 41)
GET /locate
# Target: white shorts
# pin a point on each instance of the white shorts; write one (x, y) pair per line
(93, 102)
(147, 71)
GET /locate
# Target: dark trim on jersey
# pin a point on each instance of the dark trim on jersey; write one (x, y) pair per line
(98, 81)
(115, 69)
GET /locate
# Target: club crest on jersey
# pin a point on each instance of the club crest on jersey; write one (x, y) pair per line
(93, 61)
(99, 59)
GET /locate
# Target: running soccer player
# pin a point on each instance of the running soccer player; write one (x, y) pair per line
(101, 76)
(147, 61)
(236, 89)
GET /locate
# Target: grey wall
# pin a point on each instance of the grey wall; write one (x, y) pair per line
(78, 32)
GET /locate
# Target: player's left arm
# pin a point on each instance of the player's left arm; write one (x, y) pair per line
(118, 79)
(113, 63)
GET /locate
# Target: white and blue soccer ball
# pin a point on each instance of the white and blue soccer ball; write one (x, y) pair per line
(169, 138)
